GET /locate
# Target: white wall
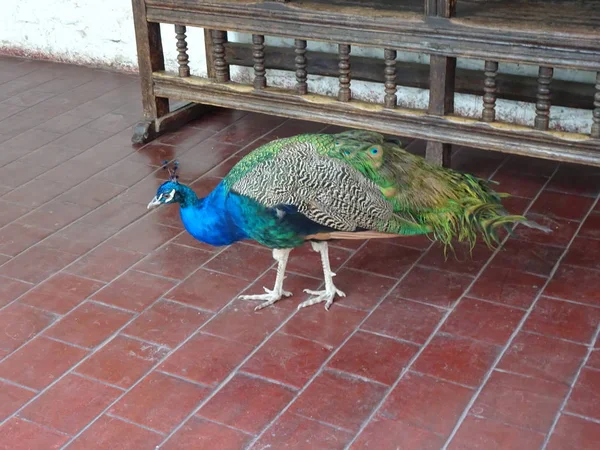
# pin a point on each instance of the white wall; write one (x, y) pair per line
(100, 33)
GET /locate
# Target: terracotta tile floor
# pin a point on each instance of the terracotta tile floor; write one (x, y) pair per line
(120, 331)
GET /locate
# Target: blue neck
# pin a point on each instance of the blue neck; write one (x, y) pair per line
(209, 220)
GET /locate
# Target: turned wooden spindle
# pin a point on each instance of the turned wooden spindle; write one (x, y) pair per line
(258, 55)
(390, 78)
(489, 89)
(301, 63)
(344, 93)
(182, 56)
(542, 107)
(221, 67)
(596, 113)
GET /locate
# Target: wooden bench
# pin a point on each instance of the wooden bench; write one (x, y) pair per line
(546, 34)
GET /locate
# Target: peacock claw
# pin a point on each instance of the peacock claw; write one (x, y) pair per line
(269, 298)
(326, 295)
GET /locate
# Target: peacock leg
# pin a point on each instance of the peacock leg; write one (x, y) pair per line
(271, 296)
(330, 290)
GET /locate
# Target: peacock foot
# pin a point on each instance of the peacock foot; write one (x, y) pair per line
(271, 296)
(327, 295)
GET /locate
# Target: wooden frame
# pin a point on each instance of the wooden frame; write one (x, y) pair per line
(434, 27)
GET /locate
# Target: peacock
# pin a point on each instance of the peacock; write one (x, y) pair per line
(351, 185)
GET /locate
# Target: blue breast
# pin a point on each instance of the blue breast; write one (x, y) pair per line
(211, 220)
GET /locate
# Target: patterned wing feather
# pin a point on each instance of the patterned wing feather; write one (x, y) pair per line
(326, 190)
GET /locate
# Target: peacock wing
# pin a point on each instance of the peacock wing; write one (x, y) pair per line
(328, 191)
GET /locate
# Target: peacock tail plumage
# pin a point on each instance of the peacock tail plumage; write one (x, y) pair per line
(331, 185)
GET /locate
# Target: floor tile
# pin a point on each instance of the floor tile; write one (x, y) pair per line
(432, 286)
(520, 401)
(427, 403)
(23, 435)
(89, 324)
(591, 226)
(404, 319)
(527, 257)
(252, 403)
(483, 321)
(206, 359)
(174, 261)
(387, 434)
(167, 323)
(339, 400)
(232, 322)
(576, 179)
(17, 237)
(256, 259)
(543, 357)
(11, 289)
(160, 402)
(574, 432)
(198, 434)
(318, 325)
(219, 119)
(383, 259)
(134, 290)
(565, 320)
(508, 286)
(55, 215)
(287, 359)
(36, 264)
(105, 263)
(111, 432)
(207, 290)
(40, 362)
(122, 361)
(585, 397)
(61, 293)
(10, 212)
(575, 283)
(456, 359)
(555, 204)
(461, 260)
(12, 398)
(19, 324)
(144, 237)
(583, 252)
(518, 184)
(479, 433)
(375, 357)
(291, 431)
(70, 404)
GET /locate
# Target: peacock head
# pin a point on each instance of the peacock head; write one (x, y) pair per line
(170, 191)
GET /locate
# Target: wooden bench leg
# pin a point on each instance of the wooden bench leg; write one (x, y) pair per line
(441, 102)
(157, 118)
(441, 83)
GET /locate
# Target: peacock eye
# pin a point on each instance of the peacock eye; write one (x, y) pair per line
(374, 151)
(346, 152)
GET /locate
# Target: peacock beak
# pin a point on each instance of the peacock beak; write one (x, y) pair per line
(154, 202)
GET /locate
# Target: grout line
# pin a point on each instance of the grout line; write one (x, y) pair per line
(41, 425)
(97, 380)
(344, 374)
(245, 373)
(328, 425)
(589, 419)
(179, 377)
(123, 419)
(70, 344)
(216, 422)
(571, 387)
(522, 321)
(14, 383)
